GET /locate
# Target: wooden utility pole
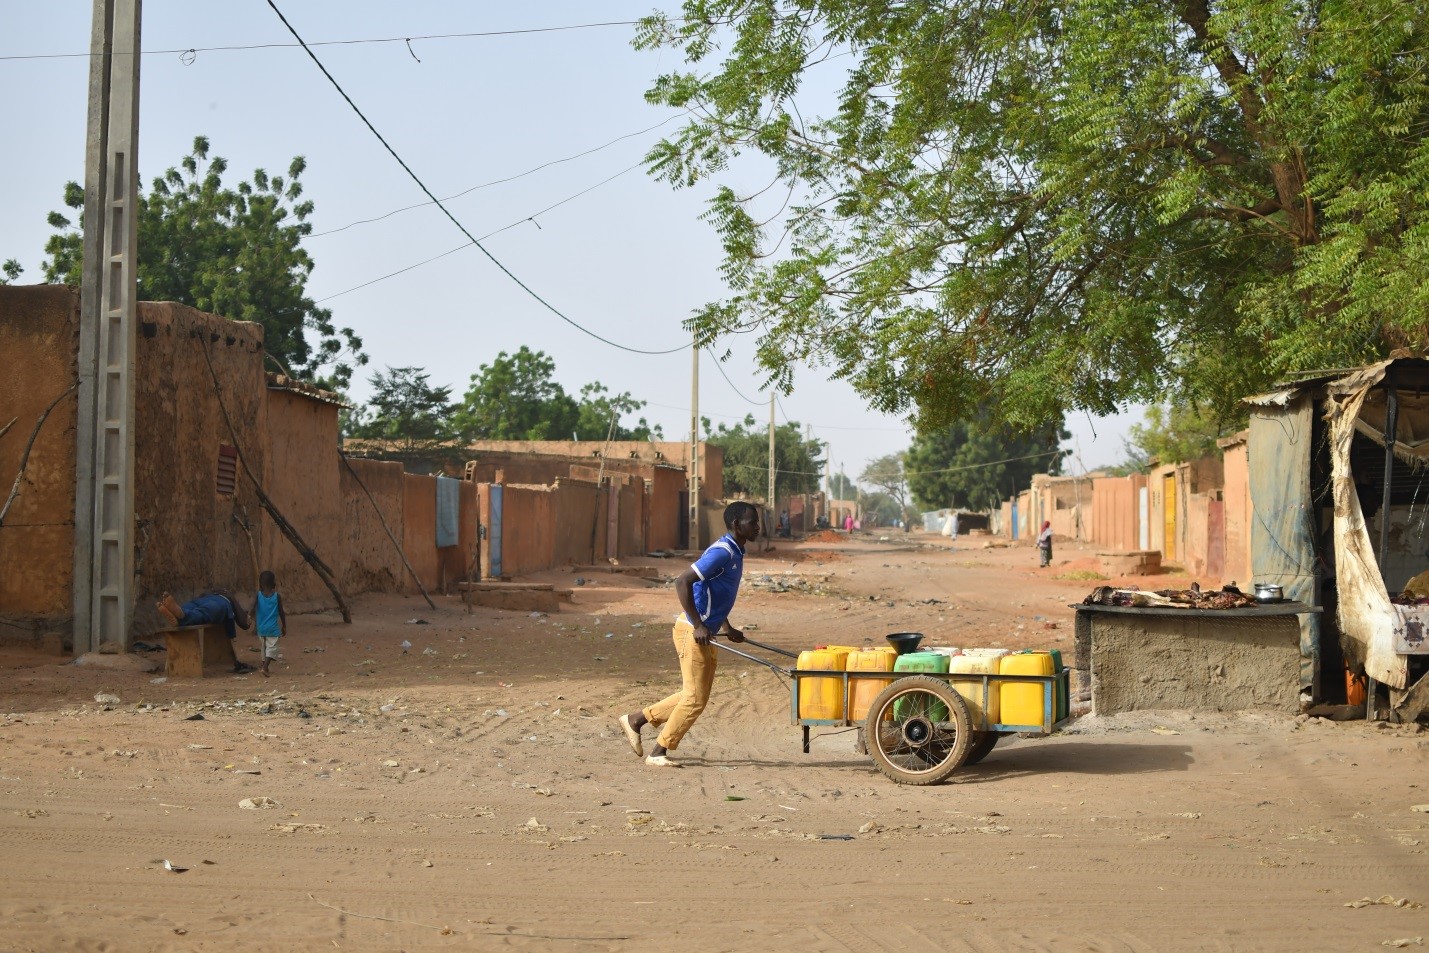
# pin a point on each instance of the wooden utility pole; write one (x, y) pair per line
(104, 459)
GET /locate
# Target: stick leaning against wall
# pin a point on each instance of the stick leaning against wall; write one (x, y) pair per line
(390, 535)
(30, 445)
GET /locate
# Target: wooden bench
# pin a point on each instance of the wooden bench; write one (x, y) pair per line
(190, 648)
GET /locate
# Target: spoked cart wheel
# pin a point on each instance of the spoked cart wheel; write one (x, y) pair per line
(918, 730)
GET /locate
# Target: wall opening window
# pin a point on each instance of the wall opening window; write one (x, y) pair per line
(227, 470)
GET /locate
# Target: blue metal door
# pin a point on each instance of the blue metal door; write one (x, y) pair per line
(494, 533)
(1014, 519)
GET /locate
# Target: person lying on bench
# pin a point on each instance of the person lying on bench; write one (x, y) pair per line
(211, 608)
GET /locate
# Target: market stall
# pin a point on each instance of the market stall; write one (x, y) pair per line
(1340, 490)
(1192, 651)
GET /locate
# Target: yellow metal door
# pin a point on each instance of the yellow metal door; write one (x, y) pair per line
(1168, 499)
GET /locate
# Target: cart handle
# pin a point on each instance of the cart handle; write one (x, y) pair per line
(770, 648)
(753, 658)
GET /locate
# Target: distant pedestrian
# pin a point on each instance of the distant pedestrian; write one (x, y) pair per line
(784, 524)
(706, 591)
(1044, 543)
(269, 616)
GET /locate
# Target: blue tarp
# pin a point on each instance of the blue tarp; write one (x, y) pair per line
(448, 511)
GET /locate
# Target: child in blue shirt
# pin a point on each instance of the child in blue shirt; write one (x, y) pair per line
(269, 617)
(706, 591)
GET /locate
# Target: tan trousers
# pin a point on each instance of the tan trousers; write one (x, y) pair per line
(697, 671)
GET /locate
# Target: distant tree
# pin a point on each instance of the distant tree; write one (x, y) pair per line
(842, 487)
(599, 409)
(976, 465)
(1135, 461)
(406, 410)
(880, 509)
(514, 398)
(12, 271)
(1176, 432)
(235, 252)
(797, 462)
(887, 474)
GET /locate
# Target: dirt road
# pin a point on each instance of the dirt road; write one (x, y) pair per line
(473, 793)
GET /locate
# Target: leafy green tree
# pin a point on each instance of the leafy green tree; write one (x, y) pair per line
(842, 487)
(798, 463)
(887, 474)
(1059, 205)
(975, 466)
(601, 413)
(236, 252)
(12, 270)
(514, 398)
(407, 410)
(1136, 461)
(1174, 433)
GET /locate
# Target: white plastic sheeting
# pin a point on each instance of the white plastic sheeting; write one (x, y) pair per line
(1370, 623)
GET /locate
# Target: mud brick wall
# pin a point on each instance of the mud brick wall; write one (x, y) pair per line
(39, 337)
(304, 480)
(419, 527)
(669, 452)
(370, 563)
(631, 529)
(528, 529)
(1237, 511)
(577, 508)
(189, 535)
(1116, 512)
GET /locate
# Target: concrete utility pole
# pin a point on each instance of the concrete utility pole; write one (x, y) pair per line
(772, 501)
(829, 470)
(104, 459)
(695, 444)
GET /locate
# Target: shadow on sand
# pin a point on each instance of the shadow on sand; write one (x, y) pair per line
(1017, 760)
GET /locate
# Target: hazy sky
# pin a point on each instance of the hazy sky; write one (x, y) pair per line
(629, 259)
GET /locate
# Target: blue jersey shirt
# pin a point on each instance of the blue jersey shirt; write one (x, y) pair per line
(719, 571)
(269, 624)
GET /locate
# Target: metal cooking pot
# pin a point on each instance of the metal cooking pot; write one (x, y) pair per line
(1269, 592)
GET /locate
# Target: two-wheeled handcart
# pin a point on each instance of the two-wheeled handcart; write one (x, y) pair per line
(920, 726)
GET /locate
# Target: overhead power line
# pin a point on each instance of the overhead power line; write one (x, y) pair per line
(509, 178)
(979, 466)
(422, 185)
(359, 42)
(719, 366)
(452, 251)
(816, 425)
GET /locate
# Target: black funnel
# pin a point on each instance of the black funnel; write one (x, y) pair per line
(905, 642)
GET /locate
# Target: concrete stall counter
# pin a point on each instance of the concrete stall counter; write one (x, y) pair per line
(1191, 659)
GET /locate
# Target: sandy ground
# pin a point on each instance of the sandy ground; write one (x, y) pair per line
(474, 794)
